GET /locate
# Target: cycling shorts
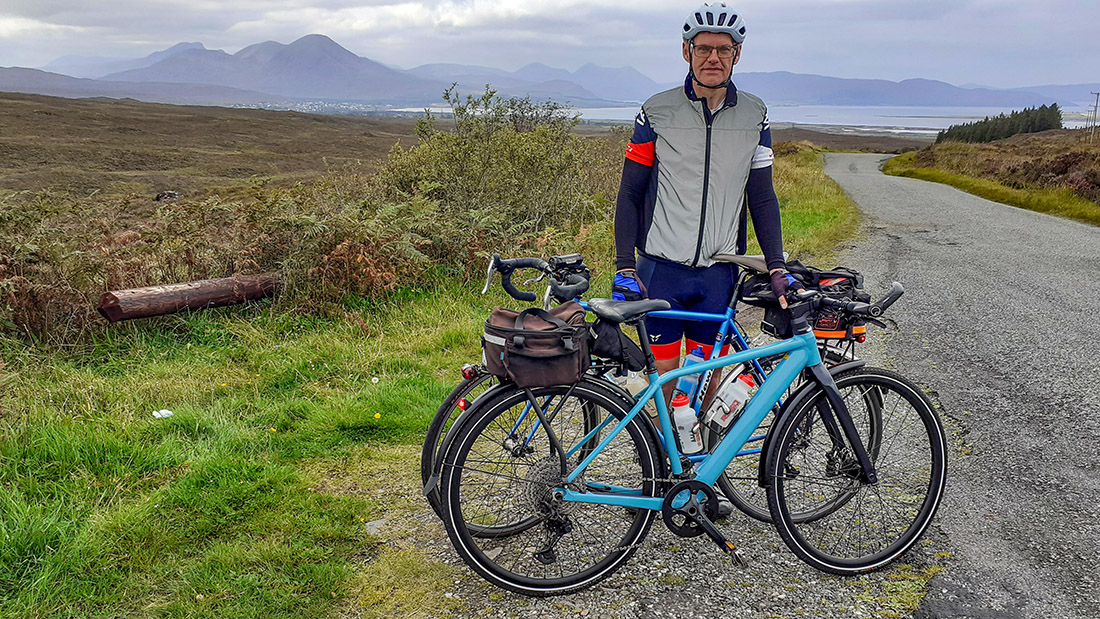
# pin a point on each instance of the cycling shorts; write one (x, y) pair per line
(707, 290)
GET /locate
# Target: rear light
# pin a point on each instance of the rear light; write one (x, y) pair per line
(462, 404)
(469, 372)
(861, 339)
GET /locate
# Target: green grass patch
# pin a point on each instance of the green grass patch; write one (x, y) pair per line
(817, 215)
(1060, 202)
(902, 592)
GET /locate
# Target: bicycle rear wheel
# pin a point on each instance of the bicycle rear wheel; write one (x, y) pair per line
(740, 481)
(857, 527)
(468, 390)
(501, 468)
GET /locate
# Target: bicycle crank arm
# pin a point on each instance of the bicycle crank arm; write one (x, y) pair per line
(727, 546)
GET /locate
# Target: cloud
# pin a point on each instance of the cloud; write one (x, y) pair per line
(11, 27)
(998, 42)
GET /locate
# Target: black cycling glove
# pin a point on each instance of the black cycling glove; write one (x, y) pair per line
(781, 280)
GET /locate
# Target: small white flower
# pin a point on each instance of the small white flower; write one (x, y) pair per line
(374, 380)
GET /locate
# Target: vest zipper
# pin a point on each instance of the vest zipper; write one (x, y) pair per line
(709, 118)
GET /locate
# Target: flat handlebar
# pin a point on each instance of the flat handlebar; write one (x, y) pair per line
(855, 307)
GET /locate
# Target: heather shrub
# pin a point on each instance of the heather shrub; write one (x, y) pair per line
(508, 176)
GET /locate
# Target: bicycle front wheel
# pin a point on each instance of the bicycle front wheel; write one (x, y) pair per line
(857, 527)
(502, 467)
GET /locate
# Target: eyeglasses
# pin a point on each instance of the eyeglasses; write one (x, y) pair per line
(725, 52)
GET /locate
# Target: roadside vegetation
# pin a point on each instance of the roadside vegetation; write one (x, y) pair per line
(294, 424)
(1001, 126)
(1054, 172)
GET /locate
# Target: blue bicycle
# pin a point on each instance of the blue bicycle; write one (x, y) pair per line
(549, 490)
(567, 278)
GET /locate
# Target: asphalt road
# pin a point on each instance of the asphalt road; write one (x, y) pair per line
(1001, 320)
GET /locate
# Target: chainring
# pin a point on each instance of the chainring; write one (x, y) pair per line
(683, 520)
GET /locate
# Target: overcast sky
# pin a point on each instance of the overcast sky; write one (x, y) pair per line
(1001, 43)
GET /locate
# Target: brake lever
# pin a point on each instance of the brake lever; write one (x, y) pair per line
(489, 273)
(535, 280)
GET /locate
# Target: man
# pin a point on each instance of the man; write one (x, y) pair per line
(699, 155)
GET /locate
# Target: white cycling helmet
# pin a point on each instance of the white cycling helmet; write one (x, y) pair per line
(714, 17)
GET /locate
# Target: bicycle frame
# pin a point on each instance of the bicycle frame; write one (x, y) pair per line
(739, 342)
(799, 352)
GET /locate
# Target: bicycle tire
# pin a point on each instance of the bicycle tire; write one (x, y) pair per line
(485, 479)
(740, 481)
(467, 389)
(854, 535)
(470, 389)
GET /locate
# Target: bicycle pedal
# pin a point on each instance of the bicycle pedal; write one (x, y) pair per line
(735, 555)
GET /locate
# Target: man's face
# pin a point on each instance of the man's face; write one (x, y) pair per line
(711, 69)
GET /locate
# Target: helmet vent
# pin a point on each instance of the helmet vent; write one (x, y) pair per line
(742, 30)
(699, 18)
(722, 19)
(710, 19)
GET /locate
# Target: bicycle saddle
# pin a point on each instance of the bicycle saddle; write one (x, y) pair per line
(625, 311)
(754, 263)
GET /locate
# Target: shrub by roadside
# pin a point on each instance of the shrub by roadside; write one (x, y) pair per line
(511, 177)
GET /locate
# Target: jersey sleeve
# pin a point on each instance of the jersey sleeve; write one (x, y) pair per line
(763, 155)
(642, 146)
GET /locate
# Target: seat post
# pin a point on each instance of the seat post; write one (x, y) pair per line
(643, 336)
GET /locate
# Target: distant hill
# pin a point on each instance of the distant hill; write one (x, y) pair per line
(622, 84)
(313, 67)
(33, 81)
(323, 76)
(76, 66)
(781, 87)
(1079, 94)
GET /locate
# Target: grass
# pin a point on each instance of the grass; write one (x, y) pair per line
(239, 501)
(905, 588)
(1053, 172)
(817, 215)
(289, 434)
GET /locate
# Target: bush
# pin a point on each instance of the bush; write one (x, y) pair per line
(511, 176)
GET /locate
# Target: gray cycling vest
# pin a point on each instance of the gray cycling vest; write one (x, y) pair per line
(692, 170)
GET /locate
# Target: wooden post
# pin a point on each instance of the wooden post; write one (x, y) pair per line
(159, 300)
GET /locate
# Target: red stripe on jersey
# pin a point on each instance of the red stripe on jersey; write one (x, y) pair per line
(641, 153)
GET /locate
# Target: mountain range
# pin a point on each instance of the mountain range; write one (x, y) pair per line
(316, 69)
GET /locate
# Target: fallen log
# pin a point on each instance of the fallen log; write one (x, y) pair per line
(151, 301)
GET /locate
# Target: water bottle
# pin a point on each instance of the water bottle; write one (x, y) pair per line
(687, 385)
(687, 425)
(729, 401)
(636, 383)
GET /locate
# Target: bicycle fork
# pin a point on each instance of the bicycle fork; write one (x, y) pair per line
(840, 413)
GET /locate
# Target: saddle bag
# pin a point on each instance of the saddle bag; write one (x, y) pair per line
(535, 347)
(606, 340)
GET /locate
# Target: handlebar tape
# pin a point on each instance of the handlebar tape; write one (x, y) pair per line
(575, 285)
(507, 267)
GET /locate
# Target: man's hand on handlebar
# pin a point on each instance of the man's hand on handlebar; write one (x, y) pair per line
(627, 286)
(781, 281)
